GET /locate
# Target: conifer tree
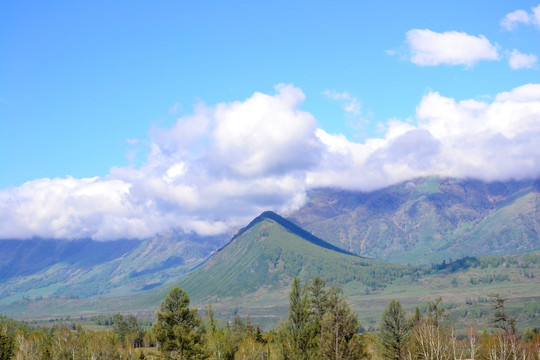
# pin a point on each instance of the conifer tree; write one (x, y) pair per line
(395, 331)
(500, 318)
(299, 317)
(6, 343)
(339, 338)
(178, 328)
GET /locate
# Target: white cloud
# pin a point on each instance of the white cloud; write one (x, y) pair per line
(518, 60)
(350, 103)
(221, 166)
(265, 135)
(211, 171)
(468, 138)
(513, 19)
(536, 15)
(429, 48)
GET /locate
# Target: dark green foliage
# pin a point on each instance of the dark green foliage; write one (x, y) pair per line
(129, 325)
(178, 327)
(395, 331)
(318, 299)
(7, 343)
(500, 318)
(458, 265)
(299, 317)
(435, 312)
(320, 324)
(488, 279)
(339, 338)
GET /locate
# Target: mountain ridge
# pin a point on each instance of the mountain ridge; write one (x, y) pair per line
(291, 227)
(428, 219)
(267, 254)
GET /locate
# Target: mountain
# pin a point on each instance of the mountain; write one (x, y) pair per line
(427, 220)
(86, 268)
(259, 263)
(252, 275)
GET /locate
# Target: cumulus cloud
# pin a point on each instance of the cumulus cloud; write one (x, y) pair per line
(211, 171)
(429, 48)
(467, 138)
(518, 60)
(224, 164)
(514, 18)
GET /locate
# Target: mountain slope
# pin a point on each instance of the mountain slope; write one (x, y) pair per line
(252, 275)
(261, 262)
(428, 220)
(85, 268)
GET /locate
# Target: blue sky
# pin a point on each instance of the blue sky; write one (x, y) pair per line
(99, 89)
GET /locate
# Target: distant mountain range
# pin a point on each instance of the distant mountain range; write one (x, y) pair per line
(85, 268)
(340, 236)
(428, 220)
(252, 275)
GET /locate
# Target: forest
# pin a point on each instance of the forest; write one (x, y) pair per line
(320, 325)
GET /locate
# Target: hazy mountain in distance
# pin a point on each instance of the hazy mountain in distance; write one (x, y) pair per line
(86, 268)
(427, 220)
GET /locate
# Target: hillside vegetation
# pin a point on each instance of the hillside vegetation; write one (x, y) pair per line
(270, 252)
(428, 220)
(85, 268)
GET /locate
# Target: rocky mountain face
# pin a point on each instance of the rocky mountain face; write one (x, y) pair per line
(428, 220)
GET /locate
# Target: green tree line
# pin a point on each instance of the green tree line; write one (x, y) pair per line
(320, 325)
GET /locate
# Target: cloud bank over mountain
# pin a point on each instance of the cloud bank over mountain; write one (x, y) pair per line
(222, 165)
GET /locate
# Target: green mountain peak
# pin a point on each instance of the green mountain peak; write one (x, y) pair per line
(289, 226)
(262, 259)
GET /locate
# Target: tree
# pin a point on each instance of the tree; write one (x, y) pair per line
(318, 298)
(500, 319)
(7, 343)
(339, 334)
(299, 314)
(395, 331)
(178, 328)
(435, 312)
(472, 340)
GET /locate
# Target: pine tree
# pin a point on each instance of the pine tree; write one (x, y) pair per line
(6, 343)
(318, 298)
(417, 316)
(500, 319)
(339, 338)
(299, 317)
(395, 331)
(435, 312)
(178, 328)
